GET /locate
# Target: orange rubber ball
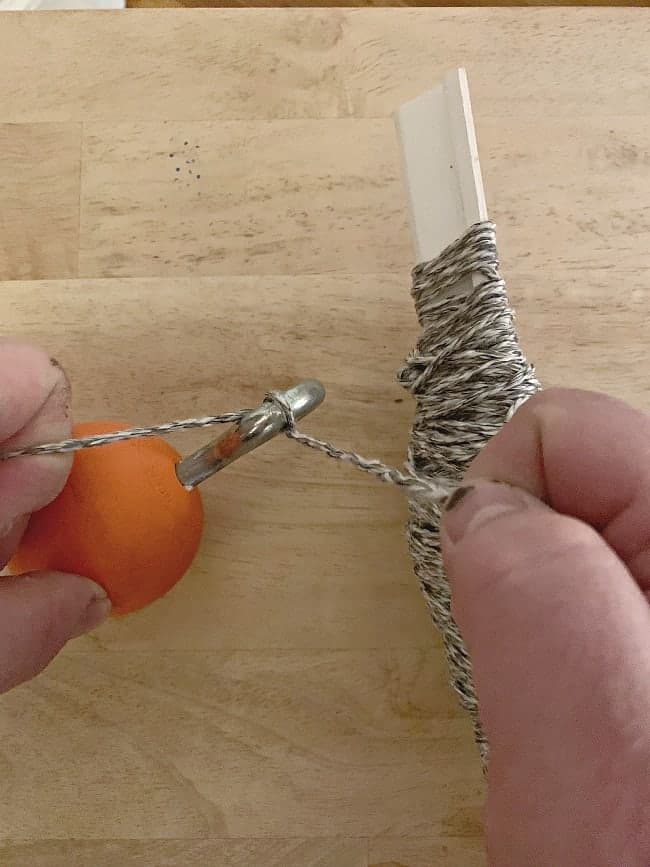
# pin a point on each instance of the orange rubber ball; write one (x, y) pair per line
(123, 519)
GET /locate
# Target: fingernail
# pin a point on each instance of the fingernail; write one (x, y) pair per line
(457, 496)
(95, 613)
(473, 506)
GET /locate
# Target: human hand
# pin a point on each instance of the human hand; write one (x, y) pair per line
(41, 611)
(550, 586)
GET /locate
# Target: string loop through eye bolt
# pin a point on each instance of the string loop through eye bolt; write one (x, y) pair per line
(278, 412)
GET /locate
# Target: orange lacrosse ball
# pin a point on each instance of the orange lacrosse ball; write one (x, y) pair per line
(123, 519)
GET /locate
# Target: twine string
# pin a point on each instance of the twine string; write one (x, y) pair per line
(383, 472)
(106, 439)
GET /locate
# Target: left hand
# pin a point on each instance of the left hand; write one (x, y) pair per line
(39, 612)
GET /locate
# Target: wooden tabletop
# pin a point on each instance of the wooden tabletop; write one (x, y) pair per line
(198, 206)
(163, 4)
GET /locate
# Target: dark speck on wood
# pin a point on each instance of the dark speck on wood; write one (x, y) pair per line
(171, 155)
(178, 168)
(198, 176)
(185, 143)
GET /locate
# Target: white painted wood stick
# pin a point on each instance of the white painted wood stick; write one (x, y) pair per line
(440, 163)
(50, 5)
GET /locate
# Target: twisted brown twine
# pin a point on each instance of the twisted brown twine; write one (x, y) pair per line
(406, 480)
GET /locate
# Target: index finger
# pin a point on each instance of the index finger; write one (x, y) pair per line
(586, 455)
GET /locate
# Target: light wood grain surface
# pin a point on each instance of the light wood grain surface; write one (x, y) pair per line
(286, 704)
(161, 4)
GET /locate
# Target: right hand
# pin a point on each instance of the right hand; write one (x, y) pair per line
(550, 578)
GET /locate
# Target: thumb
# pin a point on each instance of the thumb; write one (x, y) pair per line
(39, 612)
(559, 636)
